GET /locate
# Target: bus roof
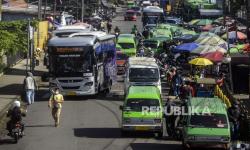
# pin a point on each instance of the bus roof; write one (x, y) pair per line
(75, 27)
(94, 33)
(72, 41)
(153, 9)
(147, 92)
(99, 34)
(143, 59)
(213, 105)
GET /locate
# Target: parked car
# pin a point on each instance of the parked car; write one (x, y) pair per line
(130, 15)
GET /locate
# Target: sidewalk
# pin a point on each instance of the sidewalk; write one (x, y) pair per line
(11, 83)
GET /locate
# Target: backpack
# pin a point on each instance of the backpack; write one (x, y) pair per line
(16, 114)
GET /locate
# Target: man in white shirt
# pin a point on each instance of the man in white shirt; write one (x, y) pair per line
(30, 87)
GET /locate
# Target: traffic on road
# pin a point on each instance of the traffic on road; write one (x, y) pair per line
(145, 79)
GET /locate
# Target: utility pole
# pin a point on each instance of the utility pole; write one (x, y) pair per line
(45, 9)
(0, 10)
(39, 9)
(248, 34)
(83, 10)
(54, 12)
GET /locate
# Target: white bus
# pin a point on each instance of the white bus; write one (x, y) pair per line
(82, 64)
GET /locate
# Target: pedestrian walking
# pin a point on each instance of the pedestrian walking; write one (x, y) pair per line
(234, 115)
(30, 86)
(109, 26)
(55, 102)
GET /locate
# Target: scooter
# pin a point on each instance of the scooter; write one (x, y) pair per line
(16, 132)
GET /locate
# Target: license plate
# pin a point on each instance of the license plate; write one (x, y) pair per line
(71, 93)
(15, 130)
(141, 128)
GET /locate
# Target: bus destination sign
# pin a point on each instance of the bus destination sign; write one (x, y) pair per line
(68, 49)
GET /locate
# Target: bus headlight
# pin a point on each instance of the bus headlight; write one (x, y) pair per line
(89, 84)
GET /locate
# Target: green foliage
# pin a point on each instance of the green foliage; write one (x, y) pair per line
(13, 36)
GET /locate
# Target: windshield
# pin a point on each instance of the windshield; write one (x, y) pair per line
(126, 45)
(120, 56)
(138, 104)
(72, 64)
(209, 121)
(136, 8)
(143, 75)
(150, 44)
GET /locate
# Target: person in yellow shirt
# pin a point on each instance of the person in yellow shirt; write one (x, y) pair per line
(55, 102)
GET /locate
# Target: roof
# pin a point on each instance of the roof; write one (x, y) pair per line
(148, 59)
(72, 41)
(125, 40)
(147, 92)
(95, 33)
(153, 9)
(75, 27)
(142, 62)
(207, 105)
(126, 35)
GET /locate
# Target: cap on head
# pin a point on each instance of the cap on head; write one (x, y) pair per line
(16, 103)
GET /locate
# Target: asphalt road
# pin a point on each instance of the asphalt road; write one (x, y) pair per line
(86, 123)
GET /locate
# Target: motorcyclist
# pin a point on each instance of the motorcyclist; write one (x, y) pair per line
(15, 113)
(117, 30)
(134, 30)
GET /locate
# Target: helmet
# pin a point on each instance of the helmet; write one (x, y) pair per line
(16, 103)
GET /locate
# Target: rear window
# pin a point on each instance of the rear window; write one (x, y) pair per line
(121, 56)
(126, 45)
(138, 104)
(143, 75)
(150, 44)
(209, 121)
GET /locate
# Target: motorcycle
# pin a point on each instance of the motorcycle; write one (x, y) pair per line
(16, 132)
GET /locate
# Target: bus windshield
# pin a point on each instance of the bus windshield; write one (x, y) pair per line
(143, 75)
(72, 64)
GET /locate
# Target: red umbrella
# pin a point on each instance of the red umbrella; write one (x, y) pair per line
(216, 56)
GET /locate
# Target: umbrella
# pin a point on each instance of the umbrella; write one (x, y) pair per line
(200, 62)
(194, 21)
(186, 47)
(203, 22)
(203, 49)
(214, 56)
(217, 30)
(213, 40)
(232, 35)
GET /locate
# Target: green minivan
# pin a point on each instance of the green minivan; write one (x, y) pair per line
(142, 110)
(127, 44)
(206, 124)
